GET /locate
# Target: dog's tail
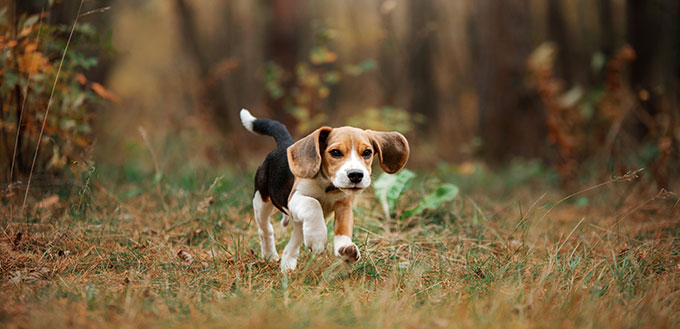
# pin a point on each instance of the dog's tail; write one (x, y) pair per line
(267, 127)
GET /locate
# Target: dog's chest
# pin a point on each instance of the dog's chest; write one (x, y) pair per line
(317, 190)
(329, 200)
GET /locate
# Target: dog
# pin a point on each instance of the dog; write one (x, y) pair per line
(309, 179)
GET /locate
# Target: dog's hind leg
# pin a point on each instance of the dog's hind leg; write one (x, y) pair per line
(290, 254)
(263, 209)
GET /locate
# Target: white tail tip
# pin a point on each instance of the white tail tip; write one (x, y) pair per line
(247, 119)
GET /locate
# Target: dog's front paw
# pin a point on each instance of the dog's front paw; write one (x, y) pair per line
(346, 249)
(270, 255)
(349, 253)
(315, 237)
(288, 263)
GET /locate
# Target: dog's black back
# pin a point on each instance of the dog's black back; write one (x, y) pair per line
(273, 178)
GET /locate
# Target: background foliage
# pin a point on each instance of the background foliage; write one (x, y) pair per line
(31, 60)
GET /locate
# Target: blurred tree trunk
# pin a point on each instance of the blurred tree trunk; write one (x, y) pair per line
(607, 34)
(283, 45)
(421, 75)
(387, 64)
(557, 32)
(212, 93)
(512, 121)
(653, 33)
(27, 7)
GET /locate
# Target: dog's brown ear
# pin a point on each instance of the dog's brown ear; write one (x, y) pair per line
(304, 157)
(392, 149)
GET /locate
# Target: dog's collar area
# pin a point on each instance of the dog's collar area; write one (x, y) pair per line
(330, 187)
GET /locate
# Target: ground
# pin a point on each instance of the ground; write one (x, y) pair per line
(511, 251)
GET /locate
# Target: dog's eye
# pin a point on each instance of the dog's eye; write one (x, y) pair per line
(367, 154)
(336, 153)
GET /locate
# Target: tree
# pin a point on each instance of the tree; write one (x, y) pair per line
(213, 93)
(283, 48)
(511, 119)
(654, 34)
(421, 75)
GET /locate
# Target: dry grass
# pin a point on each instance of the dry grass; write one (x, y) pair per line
(187, 257)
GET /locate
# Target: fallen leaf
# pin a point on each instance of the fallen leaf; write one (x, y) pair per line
(205, 204)
(48, 201)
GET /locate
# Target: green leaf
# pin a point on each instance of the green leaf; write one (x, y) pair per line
(331, 77)
(582, 202)
(389, 187)
(3, 17)
(30, 21)
(322, 55)
(11, 80)
(86, 29)
(157, 177)
(367, 65)
(443, 193)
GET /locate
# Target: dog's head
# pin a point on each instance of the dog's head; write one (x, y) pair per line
(344, 155)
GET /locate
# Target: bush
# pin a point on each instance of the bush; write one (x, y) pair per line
(30, 58)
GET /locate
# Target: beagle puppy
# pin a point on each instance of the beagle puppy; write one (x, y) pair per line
(313, 177)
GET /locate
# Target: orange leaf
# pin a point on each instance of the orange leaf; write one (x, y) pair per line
(81, 79)
(33, 61)
(30, 47)
(25, 31)
(105, 94)
(48, 201)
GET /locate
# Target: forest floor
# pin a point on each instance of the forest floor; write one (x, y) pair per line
(510, 251)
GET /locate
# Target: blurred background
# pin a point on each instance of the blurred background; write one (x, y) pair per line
(584, 88)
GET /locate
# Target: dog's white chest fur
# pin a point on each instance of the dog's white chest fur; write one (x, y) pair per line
(315, 189)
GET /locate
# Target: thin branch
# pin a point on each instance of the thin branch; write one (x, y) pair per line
(96, 11)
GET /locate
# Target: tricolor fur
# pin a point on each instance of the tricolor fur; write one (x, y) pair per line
(318, 175)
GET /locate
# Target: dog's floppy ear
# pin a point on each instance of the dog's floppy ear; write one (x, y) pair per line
(392, 149)
(304, 157)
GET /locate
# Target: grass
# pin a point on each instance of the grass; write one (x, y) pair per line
(183, 252)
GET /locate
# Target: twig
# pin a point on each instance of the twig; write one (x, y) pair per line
(569, 236)
(142, 132)
(629, 176)
(159, 173)
(659, 195)
(49, 105)
(96, 11)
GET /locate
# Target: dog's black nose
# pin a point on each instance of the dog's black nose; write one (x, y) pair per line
(355, 176)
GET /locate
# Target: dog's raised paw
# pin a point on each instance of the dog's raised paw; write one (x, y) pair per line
(288, 264)
(349, 253)
(316, 243)
(315, 237)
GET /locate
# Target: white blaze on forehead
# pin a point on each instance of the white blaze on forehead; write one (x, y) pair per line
(354, 162)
